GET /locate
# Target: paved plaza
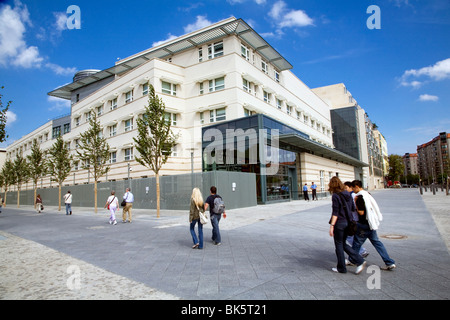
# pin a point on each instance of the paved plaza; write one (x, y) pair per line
(280, 251)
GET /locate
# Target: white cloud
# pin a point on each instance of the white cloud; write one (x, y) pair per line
(200, 23)
(428, 97)
(13, 48)
(169, 37)
(58, 104)
(11, 117)
(439, 71)
(284, 17)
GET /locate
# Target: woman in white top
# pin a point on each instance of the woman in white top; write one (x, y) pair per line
(112, 204)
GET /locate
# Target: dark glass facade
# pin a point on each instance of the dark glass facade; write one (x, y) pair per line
(246, 157)
(345, 131)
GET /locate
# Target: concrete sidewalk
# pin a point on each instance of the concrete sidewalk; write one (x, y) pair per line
(276, 251)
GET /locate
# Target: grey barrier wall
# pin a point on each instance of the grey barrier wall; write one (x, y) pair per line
(236, 188)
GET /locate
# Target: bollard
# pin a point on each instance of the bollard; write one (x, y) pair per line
(434, 189)
(421, 191)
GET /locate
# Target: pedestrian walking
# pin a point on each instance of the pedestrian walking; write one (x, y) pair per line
(338, 225)
(305, 192)
(349, 188)
(314, 191)
(39, 206)
(369, 220)
(194, 218)
(215, 214)
(112, 204)
(128, 198)
(1, 203)
(68, 202)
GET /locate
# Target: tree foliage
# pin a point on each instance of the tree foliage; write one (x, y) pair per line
(59, 164)
(93, 151)
(3, 118)
(37, 163)
(155, 139)
(396, 166)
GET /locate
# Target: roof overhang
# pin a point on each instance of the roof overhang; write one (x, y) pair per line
(217, 31)
(318, 149)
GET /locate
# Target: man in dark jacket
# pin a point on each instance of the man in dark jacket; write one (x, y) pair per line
(215, 217)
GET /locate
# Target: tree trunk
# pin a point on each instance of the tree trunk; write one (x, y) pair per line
(59, 197)
(18, 197)
(158, 195)
(35, 187)
(95, 195)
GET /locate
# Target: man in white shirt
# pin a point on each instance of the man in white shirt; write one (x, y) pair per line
(68, 202)
(129, 199)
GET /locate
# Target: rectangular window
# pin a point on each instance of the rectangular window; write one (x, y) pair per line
(215, 50)
(246, 86)
(266, 96)
(77, 121)
(128, 154)
(245, 52)
(145, 89)
(129, 96)
(174, 151)
(66, 128)
(202, 118)
(113, 157)
(277, 76)
(99, 111)
(87, 116)
(201, 88)
(264, 67)
(288, 110)
(171, 118)
(128, 125)
(279, 104)
(113, 104)
(217, 115)
(113, 130)
(200, 54)
(169, 88)
(217, 84)
(56, 132)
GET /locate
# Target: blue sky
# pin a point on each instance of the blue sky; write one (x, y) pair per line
(400, 73)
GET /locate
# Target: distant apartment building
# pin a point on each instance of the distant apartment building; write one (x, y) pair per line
(222, 77)
(433, 159)
(410, 161)
(355, 134)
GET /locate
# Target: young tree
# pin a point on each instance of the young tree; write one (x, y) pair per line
(37, 165)
(59, 164)
(155, 139)
(93, 151)
(21, 174)
(396, 166)
(7, 174)
(3, 119)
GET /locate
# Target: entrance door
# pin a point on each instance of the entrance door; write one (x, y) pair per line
(293, 185)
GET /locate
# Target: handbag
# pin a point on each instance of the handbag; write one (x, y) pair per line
(351, 223)
(124, 203)
(203, 217)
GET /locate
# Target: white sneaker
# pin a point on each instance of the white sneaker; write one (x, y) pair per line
(348, 263)
(389, 268)
(360, 268)
(335, 270)
(115, 222)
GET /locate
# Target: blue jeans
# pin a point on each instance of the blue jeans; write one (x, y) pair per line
(68, 208)
(363, 233)
(215, 218)
(196, 240)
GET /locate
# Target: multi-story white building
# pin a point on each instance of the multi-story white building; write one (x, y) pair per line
(355, 134)
(219, 73)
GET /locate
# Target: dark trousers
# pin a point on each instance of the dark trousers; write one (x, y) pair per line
(314, 194)
(341, 246)
(305, 195)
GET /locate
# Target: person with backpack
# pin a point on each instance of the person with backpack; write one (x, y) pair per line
(216, 208)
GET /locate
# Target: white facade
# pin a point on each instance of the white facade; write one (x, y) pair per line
(217, 80)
